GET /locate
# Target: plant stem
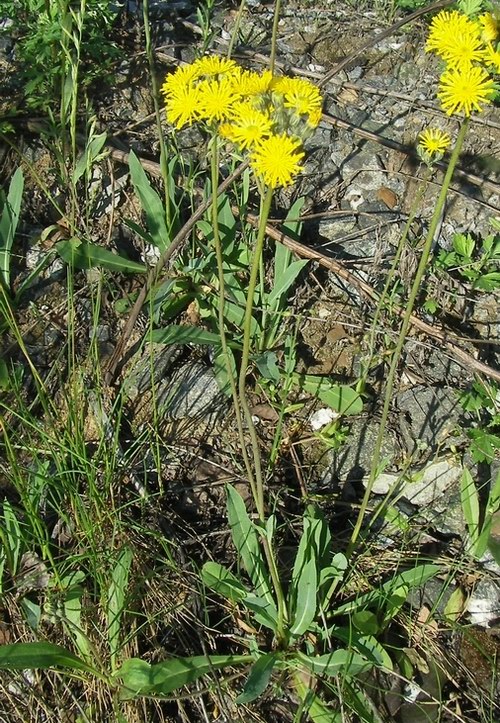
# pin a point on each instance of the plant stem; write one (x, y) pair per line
(403, 331)
(245, 355)
(274, 36)
(236, 28)
(214, 165)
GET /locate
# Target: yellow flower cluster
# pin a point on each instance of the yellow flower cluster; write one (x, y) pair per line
(468, 48)
(264, 115)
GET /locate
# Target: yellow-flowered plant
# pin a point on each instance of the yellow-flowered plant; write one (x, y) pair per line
(467, 48)
(263, 115)
(267, 118)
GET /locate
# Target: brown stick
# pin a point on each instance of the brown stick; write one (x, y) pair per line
(449, 340)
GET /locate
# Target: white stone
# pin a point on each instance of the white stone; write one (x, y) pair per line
(321, 417)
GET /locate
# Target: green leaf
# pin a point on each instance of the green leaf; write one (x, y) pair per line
(454, 608)
(8, 224)
(488, 282)
(116, 600)
(341, 398)
(40, 655)
(89, 156)
(258, 679)
(72, 617)
(139, 677)
(464, 244)
(12, 539)
(277, 296)
(316, 709)
(223, 582)
(263, 611)
(305, 604)
(220, 370)
(151, 204)
(469, 498)
(346, 662)
(366, 622)
(267, 366)
(416, 577)
(83, 255)
(247, 543)
(483, 445)
(183, 334)
(32, 612)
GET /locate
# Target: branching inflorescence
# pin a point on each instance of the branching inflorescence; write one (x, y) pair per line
(265, 116)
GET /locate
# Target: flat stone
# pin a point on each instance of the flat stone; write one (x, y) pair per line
(432, 482)
(429, 417)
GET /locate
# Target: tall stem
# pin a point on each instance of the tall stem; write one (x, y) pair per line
(214, 166)
(245, 355)
(274, 37)
(403, 331)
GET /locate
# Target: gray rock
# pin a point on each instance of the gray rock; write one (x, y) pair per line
(353, 461)
(192, 392)
(483, 605)
(429, 417)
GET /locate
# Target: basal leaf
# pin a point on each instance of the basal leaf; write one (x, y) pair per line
(39, 655)
(223, 582)
(139, 677)
(259, 677)
(346, 662)
(151, 203)
(247, 543)
(305, 605)
(83, 255)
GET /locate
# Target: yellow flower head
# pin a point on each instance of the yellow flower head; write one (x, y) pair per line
(465, 90)
(216, 99)
(445, 27)
(489, 27)
(492, 57)
(461, 51)
(182, 105)
(277, 160)
(434, 141)
(248, 125)
(300, 95)
(211, 65)
(250, 84)
(182, 77)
